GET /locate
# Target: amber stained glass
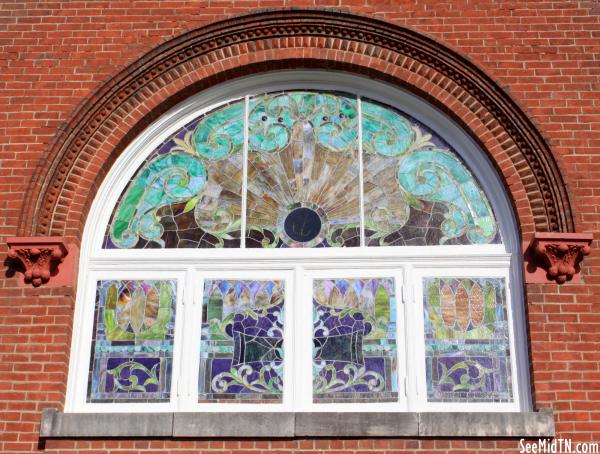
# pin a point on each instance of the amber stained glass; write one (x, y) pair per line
(467, 348)
(132, 342)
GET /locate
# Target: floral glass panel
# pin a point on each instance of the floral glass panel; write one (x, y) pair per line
(187, 193)
(417, 191)
(241, 350)
(132, 343)
(354, 340)
(467, 349)
(303, 171)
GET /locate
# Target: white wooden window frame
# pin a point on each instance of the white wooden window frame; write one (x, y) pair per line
(417, 340)
(190, 266)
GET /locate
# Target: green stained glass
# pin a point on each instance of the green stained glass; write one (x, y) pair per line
(467, 348)
(384, 131)
(132, 344)
(417, 191)
(303, 181)
(242, 345)
(220, 133)
(187, 194)
(354, 340)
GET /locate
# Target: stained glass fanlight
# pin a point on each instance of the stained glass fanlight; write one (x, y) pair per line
(303, 173)
(302, 169)
(187, 193)
(354, 330)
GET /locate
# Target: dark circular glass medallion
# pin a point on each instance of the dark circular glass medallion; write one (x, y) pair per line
(302, 224)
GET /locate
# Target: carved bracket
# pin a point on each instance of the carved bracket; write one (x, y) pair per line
(39, 256)
(557, 255)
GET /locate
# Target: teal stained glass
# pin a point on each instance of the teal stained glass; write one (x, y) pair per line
(417, 191)
(303, 171)
(187, 194)
(132, 343)
(467, 348)
(354, 340)
(303, 181)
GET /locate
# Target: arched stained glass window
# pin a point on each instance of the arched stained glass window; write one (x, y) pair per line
(302, 169)
(299, 249)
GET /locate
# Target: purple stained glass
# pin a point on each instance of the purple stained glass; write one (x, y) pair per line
(467, 348)
(354, 340)
(132, 346)
(241, 350)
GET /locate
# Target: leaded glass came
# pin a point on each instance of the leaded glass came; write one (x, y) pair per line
(467, 349)
(132, 344)
(354, 340)
(242, 347)
(187, 194)
(359, 320)
(302, 181)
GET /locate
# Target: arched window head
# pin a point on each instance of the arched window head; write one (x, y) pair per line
(302, 168)
(300, 242)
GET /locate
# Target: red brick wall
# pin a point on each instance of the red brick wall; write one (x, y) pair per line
(55, 54)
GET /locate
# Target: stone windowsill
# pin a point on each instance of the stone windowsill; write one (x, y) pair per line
(55, 424)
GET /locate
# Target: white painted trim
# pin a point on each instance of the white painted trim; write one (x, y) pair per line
(186, 263)
(305, 335)
(244, 210)
(132, 157)
(193, 336)
(418, 346)
(78, 376)
(361, 175)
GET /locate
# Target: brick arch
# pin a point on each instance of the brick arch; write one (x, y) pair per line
(65, 183)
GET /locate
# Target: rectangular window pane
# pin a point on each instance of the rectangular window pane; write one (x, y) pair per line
(303, 171)
(354, 340)
(467, 349)
(241, 349)
(132, 342)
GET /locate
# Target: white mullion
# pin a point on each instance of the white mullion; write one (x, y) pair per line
(301, 362)
(245, 174)
(81, 351)
(190, 331)
(514, 374)
(289, 338)
(410, 338)
(360, 174)
(178, 373)
(401, 339)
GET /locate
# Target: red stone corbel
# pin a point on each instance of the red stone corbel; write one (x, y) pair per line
(39, 256)
(556, 257)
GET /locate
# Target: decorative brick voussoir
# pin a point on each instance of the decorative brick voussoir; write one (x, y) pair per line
(39, 256)
(556, 257)
(167, 74)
